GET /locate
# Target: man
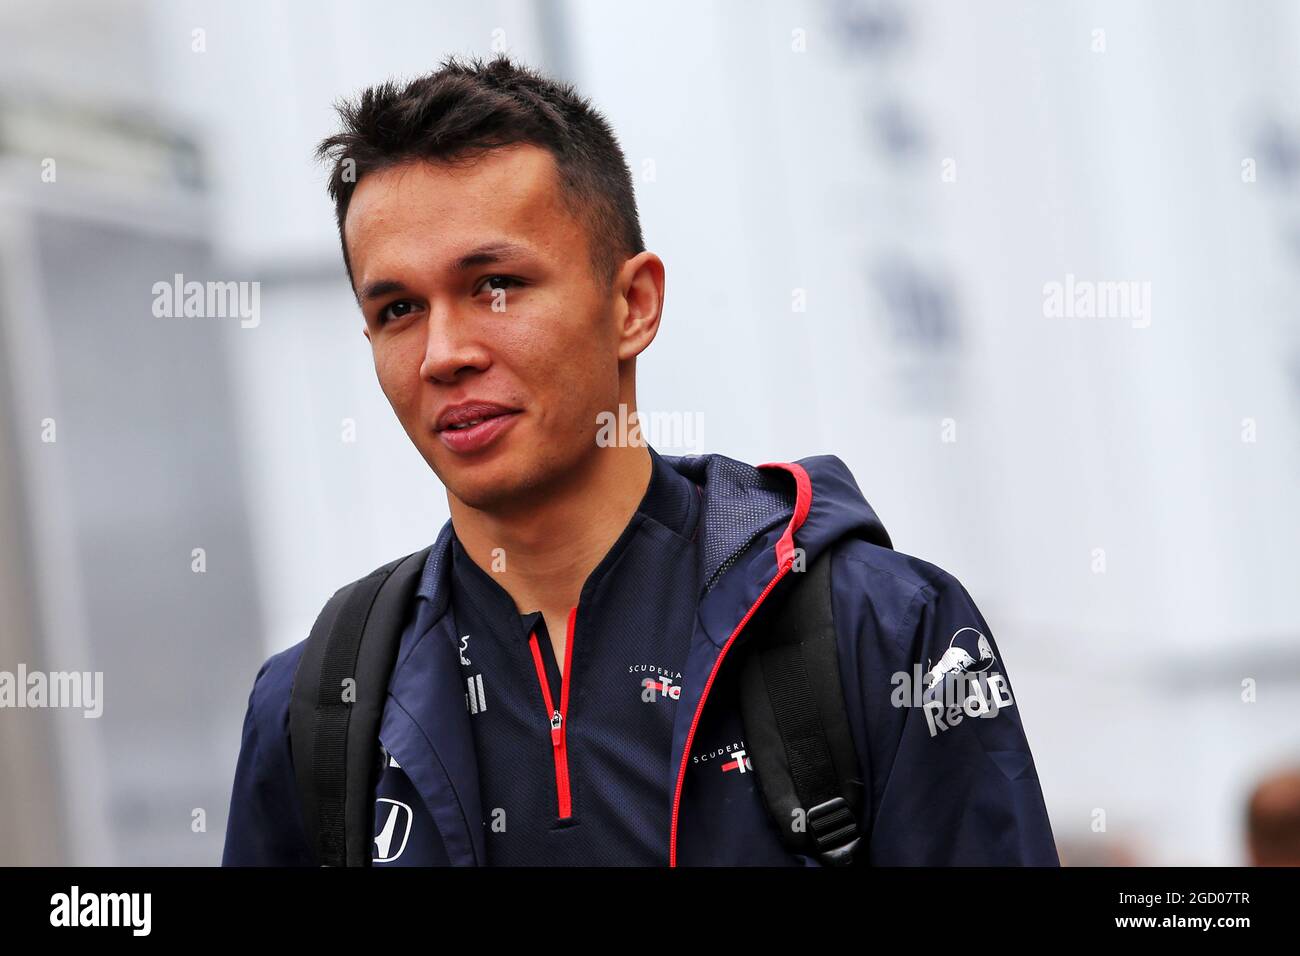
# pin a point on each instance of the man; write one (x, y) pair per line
(566, 689)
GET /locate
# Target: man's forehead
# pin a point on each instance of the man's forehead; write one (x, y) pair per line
(512, 189)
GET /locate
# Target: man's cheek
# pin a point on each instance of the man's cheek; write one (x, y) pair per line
(393, 379)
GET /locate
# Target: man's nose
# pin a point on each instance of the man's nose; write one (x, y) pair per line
(451, 347)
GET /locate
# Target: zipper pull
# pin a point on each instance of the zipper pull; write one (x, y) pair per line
(557, 724)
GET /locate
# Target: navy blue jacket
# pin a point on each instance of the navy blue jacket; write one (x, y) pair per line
(949, 779)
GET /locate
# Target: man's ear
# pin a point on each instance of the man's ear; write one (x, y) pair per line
(641, 282)
(365, 330)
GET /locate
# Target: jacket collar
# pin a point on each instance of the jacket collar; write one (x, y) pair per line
(670, 499)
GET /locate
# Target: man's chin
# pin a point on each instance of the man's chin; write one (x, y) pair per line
(493, 489)
(509, 480)
(489, 499)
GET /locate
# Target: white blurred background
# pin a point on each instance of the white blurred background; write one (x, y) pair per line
(859, 204)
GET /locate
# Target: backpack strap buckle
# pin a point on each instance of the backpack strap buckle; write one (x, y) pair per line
(834, 832)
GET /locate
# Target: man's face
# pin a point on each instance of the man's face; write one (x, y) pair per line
(476, 287)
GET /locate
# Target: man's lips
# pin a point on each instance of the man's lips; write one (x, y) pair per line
(473, 426)
(457, 417)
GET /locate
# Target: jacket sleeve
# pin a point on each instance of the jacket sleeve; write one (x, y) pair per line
(949, 770)
(265, 827)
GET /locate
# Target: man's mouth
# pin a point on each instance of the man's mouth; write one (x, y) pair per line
(468, 414)
(469, 424)
(472, 426)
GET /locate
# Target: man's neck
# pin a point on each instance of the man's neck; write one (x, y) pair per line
(548, 552)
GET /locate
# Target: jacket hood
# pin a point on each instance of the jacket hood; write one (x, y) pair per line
(808, 504)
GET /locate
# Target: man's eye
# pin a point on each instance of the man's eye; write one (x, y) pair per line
(395, 310)
(498, 282)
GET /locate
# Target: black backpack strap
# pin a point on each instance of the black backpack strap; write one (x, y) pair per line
(333, 725)
(796, 729)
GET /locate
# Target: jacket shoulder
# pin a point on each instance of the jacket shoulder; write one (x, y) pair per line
(273, 685)
(264, 826)
(945, 790)
(899, 609)
(891, 582)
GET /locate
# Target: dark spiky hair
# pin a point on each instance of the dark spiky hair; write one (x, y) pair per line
(466, 108)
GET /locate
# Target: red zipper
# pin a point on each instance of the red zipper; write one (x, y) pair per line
(785, 557)
(699, 708)
(557, 717)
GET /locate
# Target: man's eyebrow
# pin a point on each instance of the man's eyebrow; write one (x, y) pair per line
(490, 253)
(380, 288)
(482, 256)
